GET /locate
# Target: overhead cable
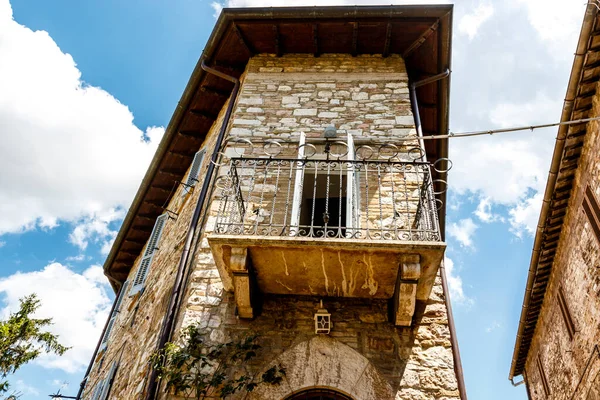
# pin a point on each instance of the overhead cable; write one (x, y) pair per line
(452, 135)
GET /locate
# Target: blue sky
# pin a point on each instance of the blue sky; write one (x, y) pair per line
(85, 81)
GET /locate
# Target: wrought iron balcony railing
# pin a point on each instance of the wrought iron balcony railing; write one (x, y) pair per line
(314, 198)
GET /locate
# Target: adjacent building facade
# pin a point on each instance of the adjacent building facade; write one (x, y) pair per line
(295, 196)
(558, 343)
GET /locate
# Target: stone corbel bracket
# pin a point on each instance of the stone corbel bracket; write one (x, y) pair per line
(405, 297)
(240, 265)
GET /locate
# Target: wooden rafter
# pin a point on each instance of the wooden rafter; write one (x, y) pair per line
(420, 40)
(243, 41)
(388, 39)
(315, 33)
(214, 91)
(277, 41)
(355, 39)
(204, 114)
(192, 134)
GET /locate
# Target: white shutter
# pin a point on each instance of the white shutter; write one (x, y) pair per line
(98, 390)
(113, 317)
(297, 199)
(142, 272)
(108, 382)
(194, 170)
(350, 183)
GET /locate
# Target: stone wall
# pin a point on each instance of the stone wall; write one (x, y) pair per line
(571, 365)
(135, 332)
(366, 97)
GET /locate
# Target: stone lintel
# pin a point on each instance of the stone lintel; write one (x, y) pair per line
(240, 268)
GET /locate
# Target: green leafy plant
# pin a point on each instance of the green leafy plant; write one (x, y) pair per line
(198, 369)
(23, 339)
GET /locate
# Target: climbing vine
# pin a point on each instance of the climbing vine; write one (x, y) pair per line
(198, 369)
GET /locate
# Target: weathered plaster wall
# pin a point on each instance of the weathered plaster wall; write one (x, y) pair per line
(572, 365)
(364, 96)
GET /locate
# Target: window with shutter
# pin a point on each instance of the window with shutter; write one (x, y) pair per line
(113, 317)
(98, 390)
(194, 171)
(142, 272)
(108, 381)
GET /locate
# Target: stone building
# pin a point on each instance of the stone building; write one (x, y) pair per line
(296, 170)
(557, 351)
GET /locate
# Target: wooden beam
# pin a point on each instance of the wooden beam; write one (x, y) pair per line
(142, 228)
(135, 241)
(192, 134)
(420, 40)
(169, 171)
(388, 39)
(204, 114)
(243, 40)
(130, 253)
(147, 217)
(154, 203)
(315, 33)
(355, 39)
(180, 154)
(277, 41)
(162, 188)
(215, 92)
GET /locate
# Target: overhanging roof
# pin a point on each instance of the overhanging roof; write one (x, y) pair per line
(421, 34)
(581, 90)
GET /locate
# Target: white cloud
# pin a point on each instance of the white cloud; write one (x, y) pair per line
(484, 211)
(493, 326)
(525, 215)
(73, 151)
(455, 285)
(77, 303)
(77, 258)
(463, 232)
(217, 7)
(2, 244)
(96, 227)
(557, 23)
(470, 23)
(507, 171)
(24, 389)
(538, 110)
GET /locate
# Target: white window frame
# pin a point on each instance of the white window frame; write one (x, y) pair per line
(352, 189)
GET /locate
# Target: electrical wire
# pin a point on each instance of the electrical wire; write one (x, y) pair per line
(453, 135)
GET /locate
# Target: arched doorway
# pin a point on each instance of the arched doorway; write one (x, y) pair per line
(323, 368)
(319, 394)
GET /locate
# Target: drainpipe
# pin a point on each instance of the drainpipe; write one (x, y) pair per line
(91, 364)
(455, 351)
(166, 328)
(415, 104)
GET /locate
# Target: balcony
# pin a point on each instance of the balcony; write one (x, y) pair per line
(327, 227)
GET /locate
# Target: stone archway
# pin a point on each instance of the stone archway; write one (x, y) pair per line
(319, 394)
(325, 363)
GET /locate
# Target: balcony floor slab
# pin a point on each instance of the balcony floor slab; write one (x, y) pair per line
(356, 268)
